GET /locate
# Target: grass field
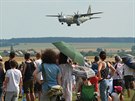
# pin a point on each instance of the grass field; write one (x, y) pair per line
(79, 46)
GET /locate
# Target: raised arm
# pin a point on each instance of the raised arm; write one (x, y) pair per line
(113, 70)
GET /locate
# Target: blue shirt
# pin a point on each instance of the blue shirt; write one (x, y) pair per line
(51, 73)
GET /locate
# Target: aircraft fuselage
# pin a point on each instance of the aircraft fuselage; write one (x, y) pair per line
(71, 20)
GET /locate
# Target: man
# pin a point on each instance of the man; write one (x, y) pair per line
(128, 78)
(28, 79)
(2, 77)
(7, 63)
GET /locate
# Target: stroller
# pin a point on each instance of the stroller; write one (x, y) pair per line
(87, 93)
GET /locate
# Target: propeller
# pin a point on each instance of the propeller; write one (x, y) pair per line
(60, 14)
(76, 15)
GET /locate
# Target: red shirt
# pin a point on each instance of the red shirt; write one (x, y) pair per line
(94, 81)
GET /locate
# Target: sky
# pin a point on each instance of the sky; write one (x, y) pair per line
(27, 18)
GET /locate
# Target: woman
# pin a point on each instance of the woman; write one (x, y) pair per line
(66, 71)
(103, 71)
(118, 76)
(51, 73)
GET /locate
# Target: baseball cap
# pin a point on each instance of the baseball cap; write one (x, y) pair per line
(118, 89)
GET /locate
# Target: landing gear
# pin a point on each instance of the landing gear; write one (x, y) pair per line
(78, 22)
(69, 24)
(62, 23)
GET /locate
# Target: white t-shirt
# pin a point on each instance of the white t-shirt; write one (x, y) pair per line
(14, 76)
(115, 96)
(119, 71)
(38, 63)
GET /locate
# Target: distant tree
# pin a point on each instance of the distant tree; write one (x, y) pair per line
(133, 48)
(122, 50)
(11, 48)
(83, 53)
(99, 50)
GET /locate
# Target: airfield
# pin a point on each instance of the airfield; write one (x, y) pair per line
(78, 46)
(109, 47)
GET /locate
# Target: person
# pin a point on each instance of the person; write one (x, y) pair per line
(118, 75)
(128, 78)
(117, 94)
(95, 64)
(66, 71)
(38, 87)
(51, 75)
(94, 80)
(28, 79)
(7, 63)
(2, 77)
(103, 71)
(13, 82)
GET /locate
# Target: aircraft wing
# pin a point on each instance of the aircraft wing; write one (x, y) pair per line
(52, 15)
(89, 14)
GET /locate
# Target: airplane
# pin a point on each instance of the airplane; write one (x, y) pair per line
(76, 18)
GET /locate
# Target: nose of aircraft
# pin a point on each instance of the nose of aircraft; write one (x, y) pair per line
(62, 18)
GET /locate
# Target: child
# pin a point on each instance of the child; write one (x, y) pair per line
(13, 82)
(117, 95)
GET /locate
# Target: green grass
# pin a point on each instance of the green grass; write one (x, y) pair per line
(126, 97)
(41, 46)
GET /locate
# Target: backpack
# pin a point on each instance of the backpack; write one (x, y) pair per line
(28, 71)
(95, 67)
(7, 65)
(87, 93)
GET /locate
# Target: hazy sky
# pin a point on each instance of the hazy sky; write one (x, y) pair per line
(27, 18)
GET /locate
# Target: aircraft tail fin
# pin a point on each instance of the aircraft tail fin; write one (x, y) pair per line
(89, 10)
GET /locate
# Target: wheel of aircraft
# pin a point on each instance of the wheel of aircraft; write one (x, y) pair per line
(62, 23)
(69, 24)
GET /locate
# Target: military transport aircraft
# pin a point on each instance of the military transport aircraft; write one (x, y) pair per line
(76, 18)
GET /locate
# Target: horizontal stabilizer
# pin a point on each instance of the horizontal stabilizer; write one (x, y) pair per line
(94, 17)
